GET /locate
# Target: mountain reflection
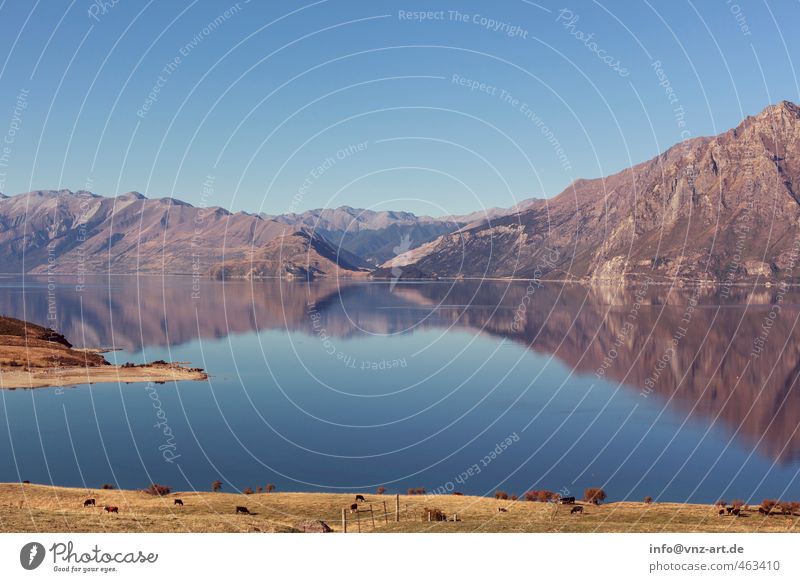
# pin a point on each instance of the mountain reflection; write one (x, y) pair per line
(732, 360)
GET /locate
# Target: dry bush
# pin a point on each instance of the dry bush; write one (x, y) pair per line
(648, 500)
(269, 487)
(540, 495)
(156, 489)
(594, 495)
(416, 491)
(259, 489)
(514, 498)
(500, 495)
(737, 503)
(247, 491)
(720, 503)
(216, 485)
(435, 514)
(768, 505)
(107, 486)
(380, 490)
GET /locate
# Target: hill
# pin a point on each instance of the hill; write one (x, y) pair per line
(41, 508)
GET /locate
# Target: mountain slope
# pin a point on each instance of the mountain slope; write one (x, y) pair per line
(68, 232)
(300, 254)
(722, 208)
(376, 236)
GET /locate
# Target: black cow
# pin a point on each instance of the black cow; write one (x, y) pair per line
(242, 509)
(567, 500)
(354, 508)
(111, 508)
(89, 502)
(502, 510)
(360, 498)
(178, 502)
(578, 509)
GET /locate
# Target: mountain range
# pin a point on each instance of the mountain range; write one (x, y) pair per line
(720, 209)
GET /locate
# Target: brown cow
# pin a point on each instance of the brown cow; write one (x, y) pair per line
(111, 508)
(360, 498)
(722, 512)
(577, 509)
(502, 510)
(242, 509)
(354, 508)
(457, 493)
(178, 502)
(89, 502)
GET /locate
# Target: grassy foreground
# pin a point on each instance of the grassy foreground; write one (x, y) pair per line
(42, 508)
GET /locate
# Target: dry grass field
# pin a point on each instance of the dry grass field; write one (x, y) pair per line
(41, 508)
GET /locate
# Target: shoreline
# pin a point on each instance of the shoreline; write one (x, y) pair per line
(59, 377)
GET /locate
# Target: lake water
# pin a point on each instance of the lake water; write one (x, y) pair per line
(683, 395)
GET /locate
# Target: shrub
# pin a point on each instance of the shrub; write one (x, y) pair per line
(416, 491)
(737, 503)
(247, 491)
(648, 500)
(540, 495)
(107, 486)
(216, 485)
(500, 495)
(259, 489)
(594, 495)
(793, 507)
(436, 514)
(514, 498)
(768, 505)
(156, 489)
(380, 490)
(721, 503)
(269, 488)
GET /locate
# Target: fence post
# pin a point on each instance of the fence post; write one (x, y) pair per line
(344, 520)
(385, 513)
(429, 516)
(372, 513)
(358, 519)
(397, 507)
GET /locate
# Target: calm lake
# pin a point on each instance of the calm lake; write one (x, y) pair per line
(683, 395)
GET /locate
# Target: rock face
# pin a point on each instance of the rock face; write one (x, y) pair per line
(73, 232)
(722, 208)
(302, 254)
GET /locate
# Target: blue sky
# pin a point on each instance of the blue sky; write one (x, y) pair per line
(286, 106)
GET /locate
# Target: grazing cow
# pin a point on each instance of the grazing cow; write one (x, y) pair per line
(567, 500)
(457, 493)
(578, 509)
(111, 508)
(242, 509)
(27, 482)
(736, 511)
(360, 498)
(89, 502)
(729, 509)
(178, 502)
(762, 511)
(722, 512)
(502, 510)
(354, 508)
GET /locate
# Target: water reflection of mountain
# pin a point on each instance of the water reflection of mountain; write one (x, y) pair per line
(712, 369)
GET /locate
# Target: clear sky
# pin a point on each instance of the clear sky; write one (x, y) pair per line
(276, 106)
